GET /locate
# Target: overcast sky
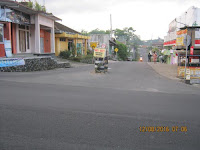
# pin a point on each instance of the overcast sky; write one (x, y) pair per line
(150, 18)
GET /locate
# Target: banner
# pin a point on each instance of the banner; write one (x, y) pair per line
(181, 35)
(12, 62)
(194, 72)
(99, 52)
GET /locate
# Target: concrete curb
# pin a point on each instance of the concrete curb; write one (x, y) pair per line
(164, 72)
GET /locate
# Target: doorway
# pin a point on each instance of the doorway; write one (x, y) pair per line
(24, 34)
(22, 41)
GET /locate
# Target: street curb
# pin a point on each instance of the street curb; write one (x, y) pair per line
(172, 78)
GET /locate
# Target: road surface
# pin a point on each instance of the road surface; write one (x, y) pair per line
(70, 109)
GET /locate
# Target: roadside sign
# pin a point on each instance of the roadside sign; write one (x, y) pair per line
(187, 40)
(116, 50)
(99, 52)
(188, 71)
(187, 77)
(93, 45)
(103, 46)
(187, 74)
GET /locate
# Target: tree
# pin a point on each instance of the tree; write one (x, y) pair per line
(83, 32)
(122, 50)
(135, 42)
(97, 31)
(30, 4)
(38, 7)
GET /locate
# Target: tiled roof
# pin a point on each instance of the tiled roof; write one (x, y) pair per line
(61, 27)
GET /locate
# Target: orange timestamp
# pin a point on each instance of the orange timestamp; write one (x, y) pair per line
(163, 129)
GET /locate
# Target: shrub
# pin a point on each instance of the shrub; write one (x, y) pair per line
(83, 59)
(65, 54)
(122, 53)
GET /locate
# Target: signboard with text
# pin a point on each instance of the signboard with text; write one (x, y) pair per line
(181, 35)
(99, 52)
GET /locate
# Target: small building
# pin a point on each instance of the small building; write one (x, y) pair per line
(24, 30)
(104, 41)
(69, 39)
(188, 24)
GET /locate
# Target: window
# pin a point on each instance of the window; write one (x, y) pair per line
(1, 33)
(63, 39)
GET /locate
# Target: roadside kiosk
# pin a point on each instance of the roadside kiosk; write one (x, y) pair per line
(101, 60)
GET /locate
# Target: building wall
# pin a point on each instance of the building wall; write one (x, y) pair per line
(60, 46)
(14, 44)
(41, 20)
(48, 23)
(2, 50)
(57, 46)
(7, 36)
(77, 40)
(7, 31)
(32, 39)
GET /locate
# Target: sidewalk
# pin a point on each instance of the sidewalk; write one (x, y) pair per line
(166, 70)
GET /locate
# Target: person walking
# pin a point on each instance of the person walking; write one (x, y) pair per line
(154, 57)
(149, 57)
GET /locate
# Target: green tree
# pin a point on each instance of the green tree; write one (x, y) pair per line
(30, 4)
(38, 7)
(43, 8)
(83, 32)
(135, 42)
(122, 50)
(97, 31)
(126, 34)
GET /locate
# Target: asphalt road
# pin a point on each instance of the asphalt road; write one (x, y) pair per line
(70, 109)
(144, 54)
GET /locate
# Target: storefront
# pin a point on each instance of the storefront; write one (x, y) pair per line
(27, 30)
(192, 60)
(69, 39)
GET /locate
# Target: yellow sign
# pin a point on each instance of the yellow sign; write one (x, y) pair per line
(181, 32)
(93, 45)
(116, 50)
(180, 37)
(194, 72)
(179, 41)
(99, 52)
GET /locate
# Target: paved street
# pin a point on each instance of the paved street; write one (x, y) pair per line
(70, 109)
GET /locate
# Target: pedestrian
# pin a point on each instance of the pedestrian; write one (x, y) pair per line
(149, 57)
(154, 57)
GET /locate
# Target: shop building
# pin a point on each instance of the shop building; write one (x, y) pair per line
(186, 24)
(24, 30)
(184, 33)
(69, 39)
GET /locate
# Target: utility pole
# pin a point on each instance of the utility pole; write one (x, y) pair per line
(111, 26)
(111, 32)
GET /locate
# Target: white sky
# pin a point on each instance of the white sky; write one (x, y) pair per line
(150, 18)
